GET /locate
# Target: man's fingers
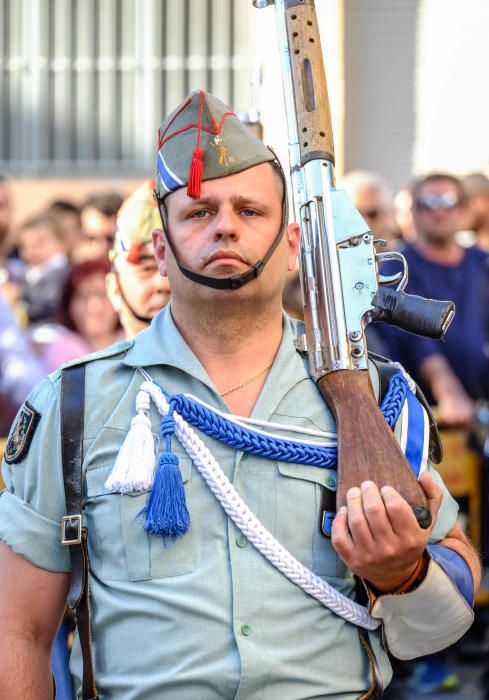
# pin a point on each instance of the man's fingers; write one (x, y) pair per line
(400, 513)
(359, 526)
(375, 512)
(340, 533)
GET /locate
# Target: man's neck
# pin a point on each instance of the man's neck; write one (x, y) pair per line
(233, 346)
(448, 253)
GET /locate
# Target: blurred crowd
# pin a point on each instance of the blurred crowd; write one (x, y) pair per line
(75, 279)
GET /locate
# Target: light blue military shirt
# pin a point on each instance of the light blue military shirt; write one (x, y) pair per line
(205, 616)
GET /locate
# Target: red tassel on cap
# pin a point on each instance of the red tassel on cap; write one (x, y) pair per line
(197, 164)
(195, 173)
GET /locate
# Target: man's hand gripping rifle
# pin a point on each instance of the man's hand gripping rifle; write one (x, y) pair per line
(340, 282)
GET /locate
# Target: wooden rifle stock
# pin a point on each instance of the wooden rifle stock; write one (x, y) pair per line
(367, 448)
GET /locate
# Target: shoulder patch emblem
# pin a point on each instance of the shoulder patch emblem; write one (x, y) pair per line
(21, 436)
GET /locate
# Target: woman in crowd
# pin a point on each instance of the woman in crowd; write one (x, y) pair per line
(88, 321)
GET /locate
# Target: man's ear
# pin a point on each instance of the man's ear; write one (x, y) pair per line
(293, 237)
(159, 245)
(113, 291)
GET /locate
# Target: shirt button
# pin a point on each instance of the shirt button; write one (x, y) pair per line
(244, 456)
(241, 541)
(246, 630)
(331, 482)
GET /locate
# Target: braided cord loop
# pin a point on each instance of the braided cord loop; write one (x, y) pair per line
(394, 398)
(251, 527)
(272, 447)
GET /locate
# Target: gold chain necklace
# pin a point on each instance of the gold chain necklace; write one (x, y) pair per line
(246, 381)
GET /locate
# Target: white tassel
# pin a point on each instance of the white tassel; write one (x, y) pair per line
(134, 466)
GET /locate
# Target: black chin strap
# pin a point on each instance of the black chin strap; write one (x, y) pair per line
(138, 317)
(235, 281)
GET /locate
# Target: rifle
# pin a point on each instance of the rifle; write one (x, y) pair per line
(340, 281)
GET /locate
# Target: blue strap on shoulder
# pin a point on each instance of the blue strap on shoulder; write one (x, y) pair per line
(456, 568)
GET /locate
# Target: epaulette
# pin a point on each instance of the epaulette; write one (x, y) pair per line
(110, 351)
(118, 348)
(386, 369)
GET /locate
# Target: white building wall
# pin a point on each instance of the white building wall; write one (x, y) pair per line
(451, 86)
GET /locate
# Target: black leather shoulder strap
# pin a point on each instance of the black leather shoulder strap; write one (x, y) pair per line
(73, 534)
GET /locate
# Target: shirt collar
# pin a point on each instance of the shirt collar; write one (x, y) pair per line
(162, 344)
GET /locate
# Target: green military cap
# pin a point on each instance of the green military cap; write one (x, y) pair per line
(136, 220)
(202, 140)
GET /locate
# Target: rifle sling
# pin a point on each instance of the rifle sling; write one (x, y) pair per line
(73, 534)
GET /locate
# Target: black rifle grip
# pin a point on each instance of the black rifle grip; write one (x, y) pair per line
(426, 317)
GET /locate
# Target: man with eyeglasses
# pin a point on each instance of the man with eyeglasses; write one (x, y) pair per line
(453, 373)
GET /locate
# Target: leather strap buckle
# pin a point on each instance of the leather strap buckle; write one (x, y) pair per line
(71, 529)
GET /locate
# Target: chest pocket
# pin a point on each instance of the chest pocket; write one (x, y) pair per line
(297, 525)
(119, 547)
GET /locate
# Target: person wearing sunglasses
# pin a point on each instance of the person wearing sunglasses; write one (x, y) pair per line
(453, 373)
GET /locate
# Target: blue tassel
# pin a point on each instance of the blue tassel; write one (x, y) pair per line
(166, 509)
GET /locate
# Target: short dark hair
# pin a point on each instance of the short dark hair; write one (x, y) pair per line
(63, 206)
(107, 203)
(420, 182)
(46, 220)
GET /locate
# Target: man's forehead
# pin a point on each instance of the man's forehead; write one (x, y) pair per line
(94, 217)
(246, 185)
(145, 255)
(146, 252)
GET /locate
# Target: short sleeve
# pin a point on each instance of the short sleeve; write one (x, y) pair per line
(447, 515)
(33, 503)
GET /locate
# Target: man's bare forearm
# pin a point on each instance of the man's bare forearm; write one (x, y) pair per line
(454, 404)
(25, 668)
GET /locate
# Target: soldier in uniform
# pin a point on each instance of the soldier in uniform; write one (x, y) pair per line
(208, 572)
(134, 286)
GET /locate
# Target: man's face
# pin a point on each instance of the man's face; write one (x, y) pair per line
(438, 211)
(37, 244)
(375, 210)
(228, 229)
(98, 233)
(141, 285)
(5, 211)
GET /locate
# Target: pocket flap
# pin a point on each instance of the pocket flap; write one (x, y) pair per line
(319, 475)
